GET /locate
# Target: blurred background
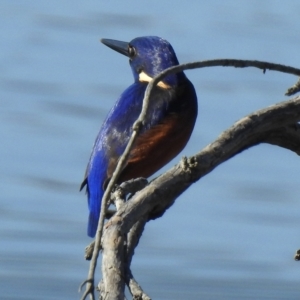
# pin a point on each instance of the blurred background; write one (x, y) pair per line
(232, 235)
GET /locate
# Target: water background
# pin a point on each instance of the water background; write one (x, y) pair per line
(230, 236)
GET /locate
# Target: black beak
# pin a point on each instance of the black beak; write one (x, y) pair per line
(121, 47)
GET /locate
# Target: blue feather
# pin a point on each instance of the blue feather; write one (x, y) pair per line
(178, 102)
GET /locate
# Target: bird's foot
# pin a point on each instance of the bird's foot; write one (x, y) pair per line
(128, 187)
(134, 185)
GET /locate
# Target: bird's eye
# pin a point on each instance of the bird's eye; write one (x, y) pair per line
(131, 51)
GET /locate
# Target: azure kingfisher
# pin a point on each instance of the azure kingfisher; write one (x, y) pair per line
(170, 120)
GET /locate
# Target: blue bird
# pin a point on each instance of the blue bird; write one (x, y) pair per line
(168, 126)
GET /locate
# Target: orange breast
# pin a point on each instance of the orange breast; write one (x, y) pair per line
(156, 147)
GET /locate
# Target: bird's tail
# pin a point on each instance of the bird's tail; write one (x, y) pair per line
(94, 201)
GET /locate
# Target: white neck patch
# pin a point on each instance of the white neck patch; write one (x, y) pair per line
(143, 77)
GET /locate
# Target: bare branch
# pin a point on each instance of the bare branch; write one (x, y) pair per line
(113, 270)
(214, 63)
(294, 89)
(210, 63)
(135, 289)
(287, 137)
(136, 127)
(133, 238)
(268, 125)
(276, 125)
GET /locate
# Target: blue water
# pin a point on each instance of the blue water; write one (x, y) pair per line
(232, 235)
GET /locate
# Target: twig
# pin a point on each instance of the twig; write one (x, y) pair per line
(294, 89)
(263, 65)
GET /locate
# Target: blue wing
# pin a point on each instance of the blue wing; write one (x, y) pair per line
(116, 131)
(109, 146)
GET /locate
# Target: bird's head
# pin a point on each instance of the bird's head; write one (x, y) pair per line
(148, 56)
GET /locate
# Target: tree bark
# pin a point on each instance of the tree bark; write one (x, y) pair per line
(276, 125)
